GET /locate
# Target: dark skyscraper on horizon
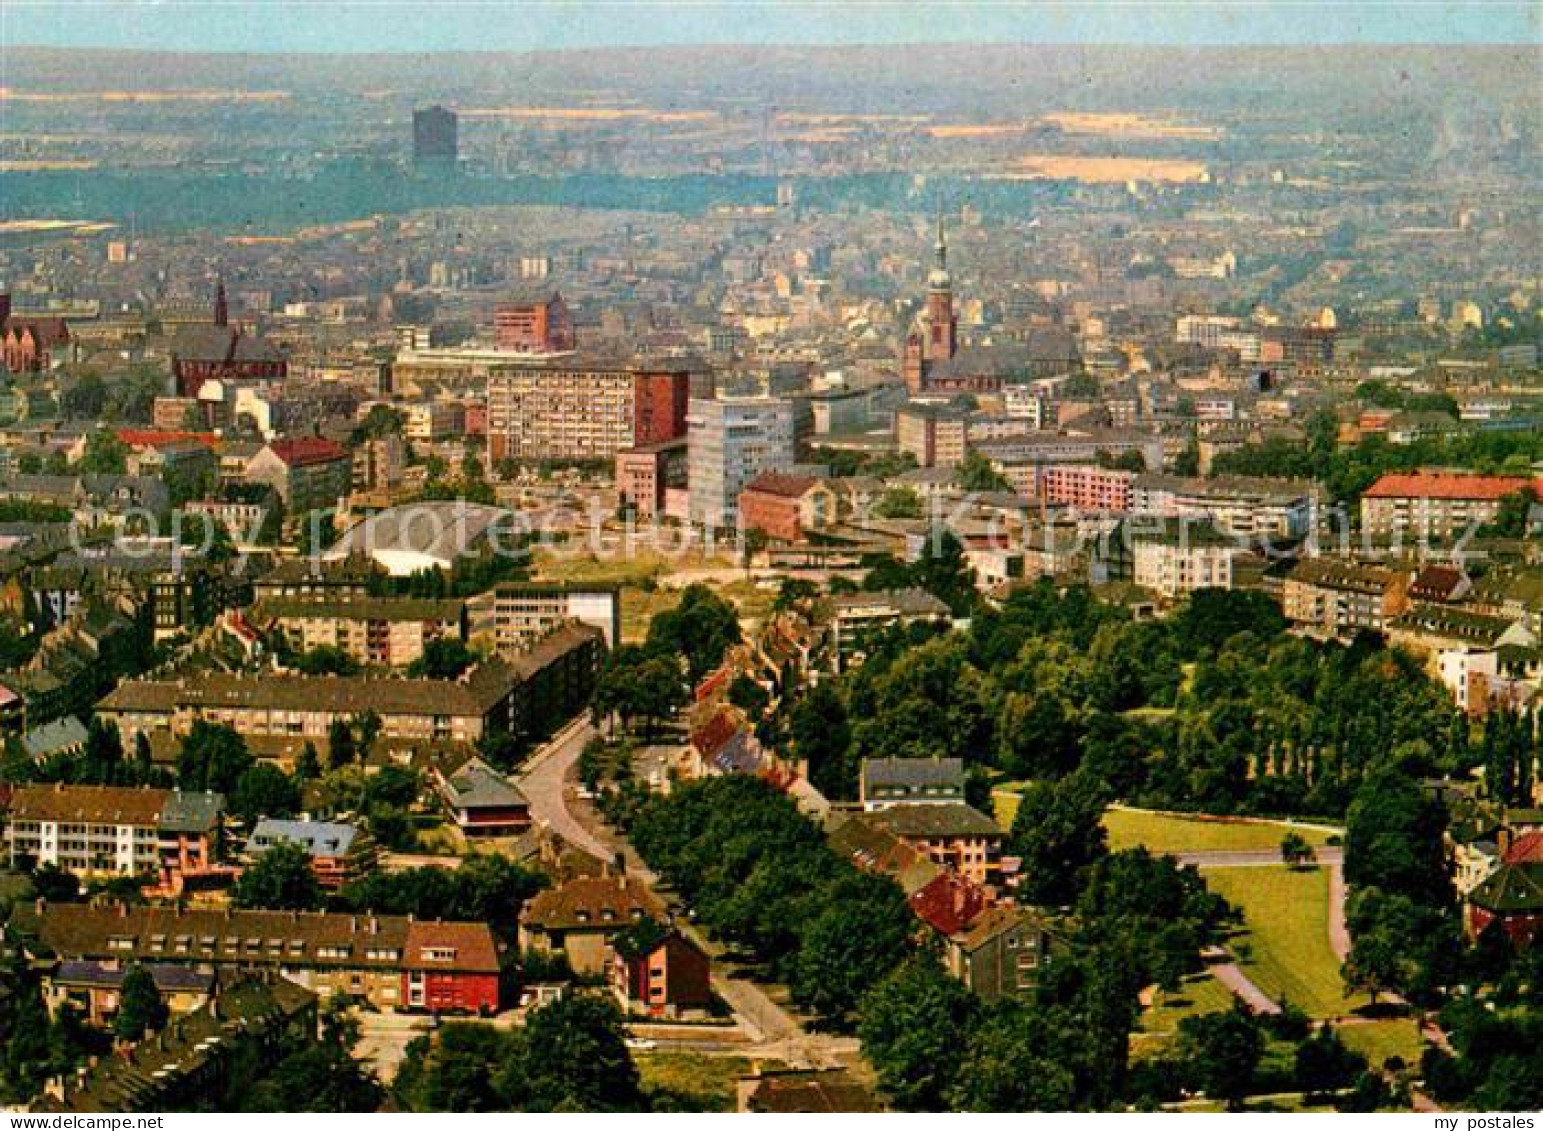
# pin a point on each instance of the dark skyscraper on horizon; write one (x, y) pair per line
(434, 137)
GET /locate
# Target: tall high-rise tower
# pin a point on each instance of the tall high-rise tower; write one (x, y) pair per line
(434, 137)
(221, 305)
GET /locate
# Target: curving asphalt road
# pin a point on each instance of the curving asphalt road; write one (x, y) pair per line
(548, 784)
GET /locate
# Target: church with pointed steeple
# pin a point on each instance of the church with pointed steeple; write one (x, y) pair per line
(934, 362)
(936, 336)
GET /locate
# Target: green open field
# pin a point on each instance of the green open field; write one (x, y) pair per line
(1173, 832)
(1286, 932)
(1167, 832)
(701, 1082)
(1379, 1040)
(638, 576)
(1199, 994)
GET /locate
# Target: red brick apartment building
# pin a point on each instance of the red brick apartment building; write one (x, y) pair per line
(539, 323)
(394, 962)
(1086, 487)
(572, 408)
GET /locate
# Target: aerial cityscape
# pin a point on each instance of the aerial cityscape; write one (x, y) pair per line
(771, 558)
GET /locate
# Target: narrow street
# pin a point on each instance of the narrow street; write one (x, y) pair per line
(549, 784)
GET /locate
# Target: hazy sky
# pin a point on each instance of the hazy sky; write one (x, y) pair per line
(397, 25)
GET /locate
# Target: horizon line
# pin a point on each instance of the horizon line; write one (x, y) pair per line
(1110, 45)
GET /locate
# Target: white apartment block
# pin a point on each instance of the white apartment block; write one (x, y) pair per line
(730, 441)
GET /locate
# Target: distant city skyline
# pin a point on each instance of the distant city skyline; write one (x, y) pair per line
(361, 26)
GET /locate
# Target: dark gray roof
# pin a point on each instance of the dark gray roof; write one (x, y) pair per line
(912, 773)
(477, 785)
(191, 812)
(936, 820)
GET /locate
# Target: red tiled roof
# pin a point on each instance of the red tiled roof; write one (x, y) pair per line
(949, 903)
(46, 331)
(97, 804)
(1429, 486)
(308, 450)
(1526, 849)
(711, 736)
(781, 484)
(146, 437)
(475, 950)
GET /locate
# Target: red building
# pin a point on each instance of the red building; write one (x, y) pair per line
(1087, 487)
(777, 504)
(536, 324)
(450, 968)
(936, 340)
(30, 343)
(222, 352)
(655, 970)
(659, 398)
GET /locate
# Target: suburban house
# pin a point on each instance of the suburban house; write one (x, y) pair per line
(94, 988)
(657, 971)
(1002, 953)
(790, 1090)
(895, 781)
(1512, 896)
(580, 918)
(245, 1023)
(339, 852)
(480, 800)
(394, 962)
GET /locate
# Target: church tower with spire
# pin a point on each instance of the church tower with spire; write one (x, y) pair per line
(942, 322)
(936, 337)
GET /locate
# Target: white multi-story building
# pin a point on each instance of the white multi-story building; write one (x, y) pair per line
(92, 830)
(1172, 567)
(1240, 506)
(730, 441)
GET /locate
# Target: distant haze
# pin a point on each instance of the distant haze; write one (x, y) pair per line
(475, 25)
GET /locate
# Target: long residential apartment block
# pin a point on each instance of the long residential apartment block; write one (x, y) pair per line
(389, 631)
(94, 830)
(525, 696)
(394, 962)
(1439, 506)
(569, 407)
(1243, 507)
(1342, 598)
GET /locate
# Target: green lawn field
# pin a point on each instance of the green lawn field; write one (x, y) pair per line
(1166, 832)
(1286, 916)
(701, 1082)
(1379, 1040)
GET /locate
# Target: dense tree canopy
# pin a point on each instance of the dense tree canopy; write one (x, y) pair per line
(571, 1056)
